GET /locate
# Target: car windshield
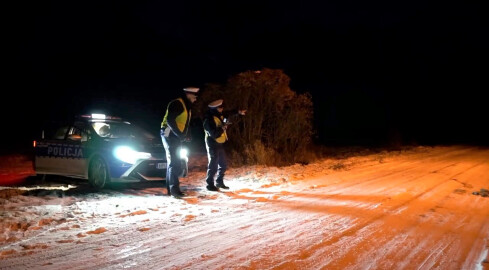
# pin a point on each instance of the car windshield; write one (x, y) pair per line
(116, 130)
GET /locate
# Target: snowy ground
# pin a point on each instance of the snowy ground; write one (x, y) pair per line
(416, 209)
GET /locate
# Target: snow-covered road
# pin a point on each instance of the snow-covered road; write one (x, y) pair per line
(413, 209)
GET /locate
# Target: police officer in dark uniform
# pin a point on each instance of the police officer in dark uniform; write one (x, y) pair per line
(174, 131)
(215, 126)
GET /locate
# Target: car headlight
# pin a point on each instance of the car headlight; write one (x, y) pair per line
(184, 153)
(129, 155)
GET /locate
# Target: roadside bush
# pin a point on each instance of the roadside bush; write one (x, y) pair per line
(277, 128)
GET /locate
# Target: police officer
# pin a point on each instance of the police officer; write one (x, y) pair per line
(215, 126)
(174, 131)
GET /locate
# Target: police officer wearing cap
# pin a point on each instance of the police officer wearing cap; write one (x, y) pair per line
(174, 131)
(215, 126)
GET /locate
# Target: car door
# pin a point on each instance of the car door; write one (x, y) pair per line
(61, 152)
(48, 149)
(75, 145)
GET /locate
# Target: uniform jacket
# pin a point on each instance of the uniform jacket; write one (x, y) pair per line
(177, 117)
(213, 125)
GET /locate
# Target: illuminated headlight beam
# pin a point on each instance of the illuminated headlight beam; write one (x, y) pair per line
(129, 155)
(184, 153)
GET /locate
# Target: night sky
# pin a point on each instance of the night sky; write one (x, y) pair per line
(375, 70)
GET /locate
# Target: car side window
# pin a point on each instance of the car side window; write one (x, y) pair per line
(104, 131)
(60, 133)
(79, 131)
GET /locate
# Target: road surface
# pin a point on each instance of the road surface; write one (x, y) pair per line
(416, 209)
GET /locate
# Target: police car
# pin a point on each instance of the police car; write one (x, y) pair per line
(103, 150)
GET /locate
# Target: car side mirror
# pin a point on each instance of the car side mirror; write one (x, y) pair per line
(74, 137)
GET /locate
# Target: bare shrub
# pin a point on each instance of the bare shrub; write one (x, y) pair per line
(277, 128)
(338, 166)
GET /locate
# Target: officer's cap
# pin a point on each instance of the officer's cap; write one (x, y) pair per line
(192, 90)
(215, 103)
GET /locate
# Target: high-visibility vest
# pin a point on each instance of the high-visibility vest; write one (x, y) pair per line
(181, 119)
(224, 137)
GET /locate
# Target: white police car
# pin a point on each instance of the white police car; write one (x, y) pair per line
(102, 149)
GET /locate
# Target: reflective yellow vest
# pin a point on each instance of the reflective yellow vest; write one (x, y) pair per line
(224, 136)
(181, 119)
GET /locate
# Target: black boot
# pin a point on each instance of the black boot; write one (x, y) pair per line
(178, 194)
(220, 181)
(221, 185)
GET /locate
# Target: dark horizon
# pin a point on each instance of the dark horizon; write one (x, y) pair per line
(375, 71)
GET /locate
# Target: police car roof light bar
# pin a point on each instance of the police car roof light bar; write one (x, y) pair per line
(98, 116)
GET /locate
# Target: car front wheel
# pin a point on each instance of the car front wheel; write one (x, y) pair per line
(98, 174)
